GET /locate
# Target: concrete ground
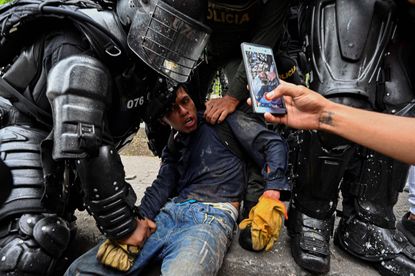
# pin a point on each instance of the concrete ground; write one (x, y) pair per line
(141, 170)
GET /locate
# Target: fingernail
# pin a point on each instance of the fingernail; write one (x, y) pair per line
(269, 96)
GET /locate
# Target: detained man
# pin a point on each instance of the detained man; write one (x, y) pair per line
(195, 199)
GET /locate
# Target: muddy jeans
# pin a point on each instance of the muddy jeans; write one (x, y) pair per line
(191, 239)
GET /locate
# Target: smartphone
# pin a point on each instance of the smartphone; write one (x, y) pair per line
(262, 77)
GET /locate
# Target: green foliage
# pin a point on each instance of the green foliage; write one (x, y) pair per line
(4, 1)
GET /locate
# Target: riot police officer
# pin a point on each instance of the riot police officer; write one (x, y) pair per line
(360, 53)
(76, 80)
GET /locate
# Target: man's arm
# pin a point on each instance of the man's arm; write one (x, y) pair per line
(391, 135)
(154, 199)
(162, 187)
(267, 31)
(265, 147)
(270, 151)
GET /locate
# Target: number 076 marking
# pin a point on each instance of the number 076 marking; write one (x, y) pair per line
(135, 102)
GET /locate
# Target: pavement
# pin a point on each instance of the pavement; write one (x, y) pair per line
(140, 172)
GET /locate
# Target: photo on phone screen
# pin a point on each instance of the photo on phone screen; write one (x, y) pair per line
(262, 77)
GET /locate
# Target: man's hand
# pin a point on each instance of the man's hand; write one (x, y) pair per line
(274, 194)
(305, 108)
(145, 227)
(218, 109)
(121, 254)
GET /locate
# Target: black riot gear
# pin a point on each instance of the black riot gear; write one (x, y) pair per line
(71, 95)
(8, 180)
(361, 55)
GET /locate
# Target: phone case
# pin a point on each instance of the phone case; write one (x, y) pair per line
(262, 75)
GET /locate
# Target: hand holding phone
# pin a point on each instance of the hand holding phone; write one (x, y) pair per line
(262, 77)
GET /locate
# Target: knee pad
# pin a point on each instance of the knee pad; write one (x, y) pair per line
(78, 91)
(32, 244)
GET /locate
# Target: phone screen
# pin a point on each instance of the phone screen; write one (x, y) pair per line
(262, 78)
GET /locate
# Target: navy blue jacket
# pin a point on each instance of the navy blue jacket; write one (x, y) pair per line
(203, 168)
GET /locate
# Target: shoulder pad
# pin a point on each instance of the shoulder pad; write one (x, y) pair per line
(15, 14)
(19, 17)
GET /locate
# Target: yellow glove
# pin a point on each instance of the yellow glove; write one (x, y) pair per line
(265, 221)
(117, 255)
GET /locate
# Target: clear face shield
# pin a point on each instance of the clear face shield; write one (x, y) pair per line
(167, 40)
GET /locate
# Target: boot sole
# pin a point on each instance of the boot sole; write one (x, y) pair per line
(376, 265)
(312, 267)
(406, 233)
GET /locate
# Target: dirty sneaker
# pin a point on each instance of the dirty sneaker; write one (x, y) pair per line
(407, 227)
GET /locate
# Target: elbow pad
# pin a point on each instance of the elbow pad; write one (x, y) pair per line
(108, 198)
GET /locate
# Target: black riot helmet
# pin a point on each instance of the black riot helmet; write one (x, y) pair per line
(168, 35)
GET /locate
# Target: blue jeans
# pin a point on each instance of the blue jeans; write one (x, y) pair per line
(191, 239)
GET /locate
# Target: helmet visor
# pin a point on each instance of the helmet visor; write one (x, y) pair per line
(167, 40)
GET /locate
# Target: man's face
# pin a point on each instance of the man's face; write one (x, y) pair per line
(182, 116)
(271, 75)
(262, 75)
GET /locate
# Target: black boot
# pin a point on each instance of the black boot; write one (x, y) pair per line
(407, 227)
(310, 240)
(245, 239)
(246, 208)
(386, 249)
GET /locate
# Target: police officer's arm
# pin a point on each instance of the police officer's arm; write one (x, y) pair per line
(391, 135)
(267, 32)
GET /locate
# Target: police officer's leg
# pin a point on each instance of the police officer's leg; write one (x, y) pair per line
(320, 164)
(367, 229)
(32, 237)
